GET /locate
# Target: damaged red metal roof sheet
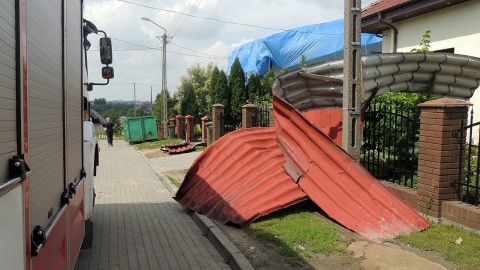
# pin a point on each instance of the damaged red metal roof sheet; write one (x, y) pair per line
(337, 182)
(239, 178)
(250, 173)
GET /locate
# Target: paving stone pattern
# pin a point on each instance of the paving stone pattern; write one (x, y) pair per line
(137, 224)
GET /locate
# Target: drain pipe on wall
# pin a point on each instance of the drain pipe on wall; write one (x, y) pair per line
(395, 32)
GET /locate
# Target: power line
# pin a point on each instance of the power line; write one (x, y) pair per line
(168, 16)
(196, 51)
(194, 8)
(203, 55)
(128, 83)
(178, 18)
(218, 20)
(234, 23)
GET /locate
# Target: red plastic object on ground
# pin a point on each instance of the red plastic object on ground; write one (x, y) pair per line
(179, 148)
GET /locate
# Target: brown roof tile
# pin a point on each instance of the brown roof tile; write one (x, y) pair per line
(382, 5)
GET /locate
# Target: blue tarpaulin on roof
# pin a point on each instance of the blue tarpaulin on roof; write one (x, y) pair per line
(316, 43)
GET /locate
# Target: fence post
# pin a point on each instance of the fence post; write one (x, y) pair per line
(190, 128)
(205, 119)
(272, 117)
(248, 112)
(180, 127)
(439, 153)
(218, 123)
(171, 128)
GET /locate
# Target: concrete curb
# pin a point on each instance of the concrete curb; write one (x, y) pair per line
(230, 253)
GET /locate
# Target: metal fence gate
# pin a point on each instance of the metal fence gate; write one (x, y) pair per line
(468, 180)
(390, 142)
(261, 118)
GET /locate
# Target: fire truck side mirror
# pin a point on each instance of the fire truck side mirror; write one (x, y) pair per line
(107, 72)
(106, 50)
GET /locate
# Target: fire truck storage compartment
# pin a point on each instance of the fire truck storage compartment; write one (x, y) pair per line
(8, 101)
(11, 208)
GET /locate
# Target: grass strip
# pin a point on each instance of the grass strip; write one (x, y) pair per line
(297, 233)
(442, 238)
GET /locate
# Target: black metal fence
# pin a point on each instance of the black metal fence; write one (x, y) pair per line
(468, 181)
(261, 118)
(390, 142)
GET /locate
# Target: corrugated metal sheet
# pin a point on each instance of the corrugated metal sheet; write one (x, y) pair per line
(250, 173)
(329, 122)
(181, 149)
(452, 75)
(337, 182)
(239, 178)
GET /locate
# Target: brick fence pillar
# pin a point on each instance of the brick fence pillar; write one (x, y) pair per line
(272, 117)
(218, 123)
(248, 112)
(205, 119)
(439, 153)
(180, 127)
(190, 128)
(172, 121)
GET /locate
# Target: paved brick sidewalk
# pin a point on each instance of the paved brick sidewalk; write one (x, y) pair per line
(137, 224)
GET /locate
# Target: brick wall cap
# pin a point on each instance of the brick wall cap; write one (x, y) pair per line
(180, 116)
(218, 105)
(189, 117)
(249, 106)
(206, 118)
(173, 118)
(445, 102)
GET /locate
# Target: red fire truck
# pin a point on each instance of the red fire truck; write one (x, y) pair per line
(48, 146)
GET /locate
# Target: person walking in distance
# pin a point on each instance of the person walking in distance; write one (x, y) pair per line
(108, 126)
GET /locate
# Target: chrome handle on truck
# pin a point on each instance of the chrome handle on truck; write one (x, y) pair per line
(18, 170)
(38, 240)
(17, 167)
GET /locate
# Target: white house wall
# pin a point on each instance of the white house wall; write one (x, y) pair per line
(455, 27)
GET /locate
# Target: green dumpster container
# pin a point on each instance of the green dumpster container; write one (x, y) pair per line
(150, 129)
(138, 129)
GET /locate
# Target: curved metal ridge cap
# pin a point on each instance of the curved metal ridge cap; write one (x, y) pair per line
(451, 75)
(239, 178)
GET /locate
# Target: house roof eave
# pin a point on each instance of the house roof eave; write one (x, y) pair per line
(372, 23)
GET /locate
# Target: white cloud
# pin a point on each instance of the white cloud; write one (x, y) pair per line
(191, 36)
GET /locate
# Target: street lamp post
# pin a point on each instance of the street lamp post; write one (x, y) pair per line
(164, 78)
